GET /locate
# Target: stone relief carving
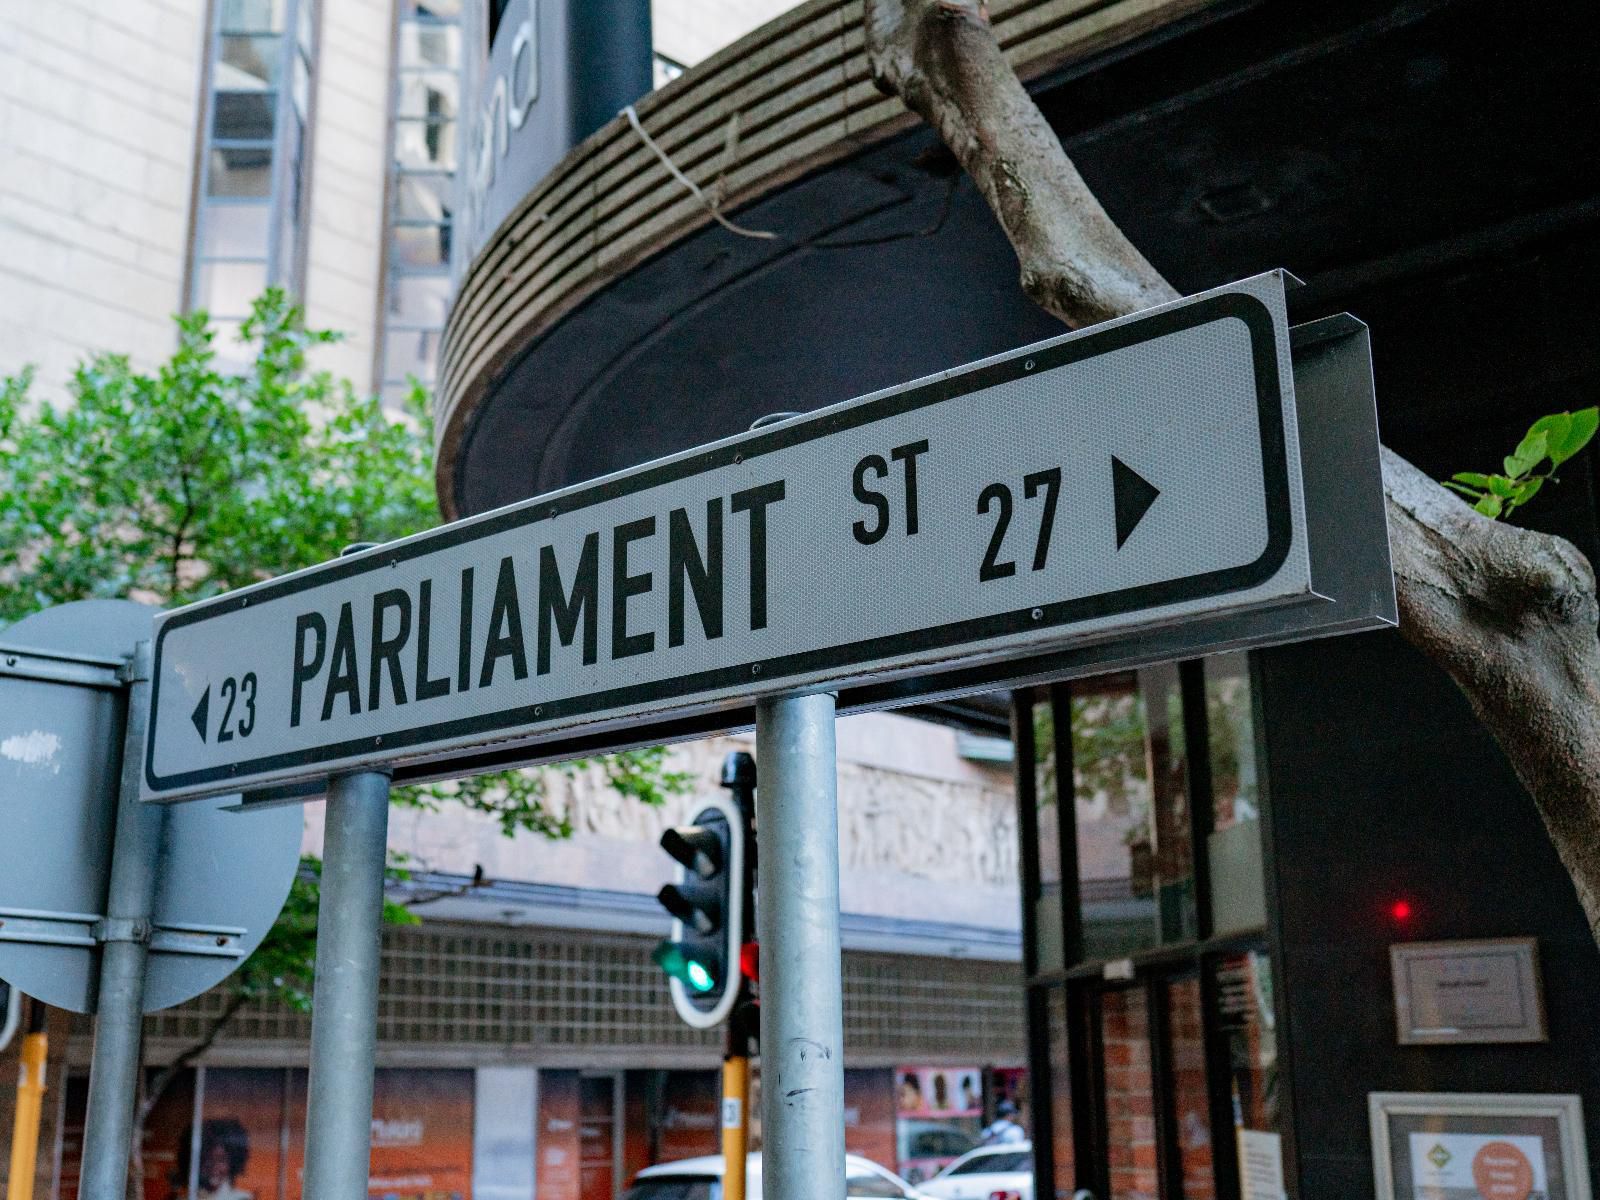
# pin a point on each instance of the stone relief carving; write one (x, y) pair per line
(888, 820)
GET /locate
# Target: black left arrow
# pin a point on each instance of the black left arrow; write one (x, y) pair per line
(200, 713)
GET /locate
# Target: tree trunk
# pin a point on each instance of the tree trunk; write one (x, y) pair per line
(1510, 614)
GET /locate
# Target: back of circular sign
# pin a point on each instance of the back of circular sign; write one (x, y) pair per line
(61, 727)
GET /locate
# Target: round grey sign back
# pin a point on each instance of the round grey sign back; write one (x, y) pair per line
(222, 876)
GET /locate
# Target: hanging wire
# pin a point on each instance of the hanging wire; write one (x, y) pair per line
(767, 234)
(633, 119)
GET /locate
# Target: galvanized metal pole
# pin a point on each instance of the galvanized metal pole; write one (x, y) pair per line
(125, 935)
(802, 987)
(344, 999)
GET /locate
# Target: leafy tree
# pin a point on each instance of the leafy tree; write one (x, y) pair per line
(188, 480)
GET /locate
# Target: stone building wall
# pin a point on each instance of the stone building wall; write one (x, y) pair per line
(97, 146)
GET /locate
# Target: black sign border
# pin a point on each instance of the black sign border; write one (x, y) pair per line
(1028, 361)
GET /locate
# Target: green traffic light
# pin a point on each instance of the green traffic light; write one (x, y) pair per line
(669, 956)
(698, 977)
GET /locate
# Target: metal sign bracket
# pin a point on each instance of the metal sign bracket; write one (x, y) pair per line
(90, 929)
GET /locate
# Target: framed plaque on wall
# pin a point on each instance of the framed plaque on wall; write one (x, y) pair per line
(1468, 991)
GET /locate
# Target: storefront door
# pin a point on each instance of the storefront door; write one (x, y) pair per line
(600, 1135)
(1150, 998)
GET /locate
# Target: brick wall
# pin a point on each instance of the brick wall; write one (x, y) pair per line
(1130, 1096)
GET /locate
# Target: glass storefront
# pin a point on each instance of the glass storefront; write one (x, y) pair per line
(1150, 991)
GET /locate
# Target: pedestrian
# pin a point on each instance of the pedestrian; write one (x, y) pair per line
(1003, 1130)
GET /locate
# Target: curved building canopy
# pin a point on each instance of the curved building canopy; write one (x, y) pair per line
(608, 320)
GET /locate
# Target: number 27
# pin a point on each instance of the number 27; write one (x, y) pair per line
(1047, 481)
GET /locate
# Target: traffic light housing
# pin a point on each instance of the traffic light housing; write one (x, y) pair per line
(707, 903)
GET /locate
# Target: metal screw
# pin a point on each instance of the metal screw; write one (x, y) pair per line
(394, 562)
(538, 710)
(221, 940)
(738, 458)
(1038, 614)
(1028, 366)
(377, 741)
(244, 602)
(756, 669)
(11, 660)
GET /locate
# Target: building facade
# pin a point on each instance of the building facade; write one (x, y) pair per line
(182, 154)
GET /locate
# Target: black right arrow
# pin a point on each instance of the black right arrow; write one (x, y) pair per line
(1132, 496)
(201, 711)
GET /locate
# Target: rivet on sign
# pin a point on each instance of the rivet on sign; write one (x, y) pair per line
(221, 940)
(738, 458)
(11, 660)
(1028, 366)
(377, 741)
(538, 710)
(394, 562)
(245, 602)
(1038, 614)
(756, 670)
(233, 769)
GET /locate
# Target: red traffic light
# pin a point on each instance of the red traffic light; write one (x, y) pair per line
(750, 961)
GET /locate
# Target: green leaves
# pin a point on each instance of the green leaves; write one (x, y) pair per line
(1566, 433)
(184, 480)
(177, 482)
(1552, 439)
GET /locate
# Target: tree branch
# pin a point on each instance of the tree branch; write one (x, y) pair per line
(188, 1058)
(1510, 614)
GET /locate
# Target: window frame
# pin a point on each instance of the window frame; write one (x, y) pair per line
(288, 174)
(1081, 984)
(391, 324)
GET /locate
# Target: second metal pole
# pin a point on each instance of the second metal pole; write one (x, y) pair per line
(125, 935)
(802, 1005)
(344, 999)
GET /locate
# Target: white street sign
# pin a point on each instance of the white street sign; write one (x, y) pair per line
(1136, 474)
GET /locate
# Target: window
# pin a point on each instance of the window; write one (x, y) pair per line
(1000, 1162)
(251, 217)
(675, 1187)
(1112, 812)
(426, 154)
(870, 1183)
(1238, 891)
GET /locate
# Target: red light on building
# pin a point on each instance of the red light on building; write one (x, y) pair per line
(1400, 910)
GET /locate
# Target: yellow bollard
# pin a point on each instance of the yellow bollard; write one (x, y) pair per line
(735, 1124)
(30, 1103)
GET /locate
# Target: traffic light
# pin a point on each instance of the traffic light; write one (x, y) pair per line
(707, 903)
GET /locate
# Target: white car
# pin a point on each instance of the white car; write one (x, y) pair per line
(1003, 1172)
(701, 1179)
